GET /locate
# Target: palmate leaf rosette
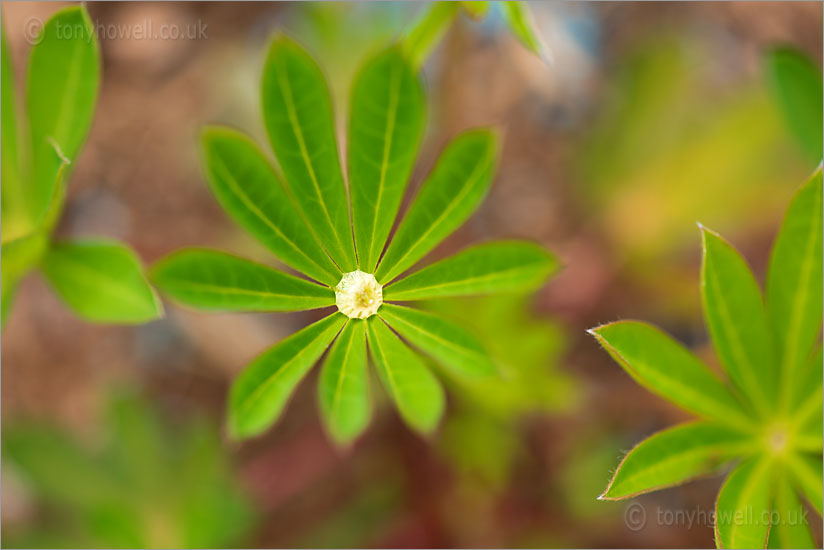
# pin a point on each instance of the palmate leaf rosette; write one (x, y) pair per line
(763, 420)
(303, 217)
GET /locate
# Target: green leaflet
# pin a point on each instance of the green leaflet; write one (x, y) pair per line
(520, 23)
(415, 391)
(18, 258)
(61, 91)
(806, 471)
(742, 518)
(734, 312)
(673, 456)
(249, 190)
(72, 480)
(297, 111)
(502, 266)
(259, 394)
(209, 279)
(343, 388)
(386, 120)
(101, 282)
(664, 367)
(808, 401)
(427, 31)
(796, 84)
(476, 9)
(794, 277)
(790, 528)
(14, 213)
(457, 185)
(452, 345)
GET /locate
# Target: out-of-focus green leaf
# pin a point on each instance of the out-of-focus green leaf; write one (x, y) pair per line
(208, 279)
(453, 191)
(101, 281)
(14, 208)
(664, 367)
(794, 277)
(297, 111)
(796, 84)
(416, 392)
(61, 471)
(807, 473)
(387, 115)
(343, 388)
(525, 349)
(476, 9)
(61, 91)
(454, 346)
(673, 456)
(17, 257)
(519, 19)
(259, 394)
(503, 266)
(427, 31)
(790, 528)
(742, 518)
(249, 190)
(734, 311)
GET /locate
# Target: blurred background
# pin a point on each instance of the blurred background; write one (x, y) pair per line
(649, 117)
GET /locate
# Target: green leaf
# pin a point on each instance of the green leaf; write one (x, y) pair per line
(386, 120)
(673, 456)
(249, 190)
(259, 394)
(502, 266)
(17, 258)
(734, 312)
(14, 209)
(453, 191)
(794, 277)
(476, 9)
(742, 518)
(428, 30)
(343, 388)
(806, 471)
(519, 20)
(454, 346)
(62, 85)
(209, 279)
(796, 85)
(101, 282)
(664, 367)
(416, 392)
(790, 528)
(297, 111)
(56, 467)
(808, 402)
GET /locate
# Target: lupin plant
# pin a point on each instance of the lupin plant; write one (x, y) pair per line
(100, 280)
(303, 217)
(765, 416)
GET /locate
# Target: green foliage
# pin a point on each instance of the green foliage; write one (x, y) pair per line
(387, 118)
(796, 84)
(208, 279)
(140, 484)
(304, 221)
(425, 33)
(101, 283)
(767, 413)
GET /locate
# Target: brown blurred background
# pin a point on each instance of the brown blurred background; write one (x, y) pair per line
(651, 116)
